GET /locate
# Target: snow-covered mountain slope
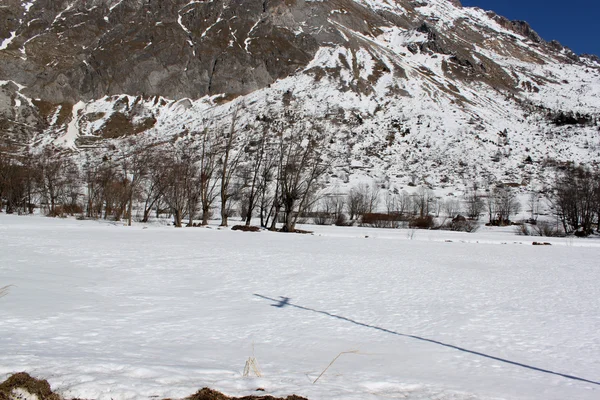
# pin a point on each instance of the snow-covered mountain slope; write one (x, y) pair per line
(400, 91)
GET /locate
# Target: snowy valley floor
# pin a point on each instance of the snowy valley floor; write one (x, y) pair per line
(104, 311)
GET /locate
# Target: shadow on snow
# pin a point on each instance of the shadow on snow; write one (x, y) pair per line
(285, 302)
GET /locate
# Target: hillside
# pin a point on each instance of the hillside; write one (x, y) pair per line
(419, 92)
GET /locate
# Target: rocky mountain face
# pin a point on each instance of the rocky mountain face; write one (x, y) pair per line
(405, 91)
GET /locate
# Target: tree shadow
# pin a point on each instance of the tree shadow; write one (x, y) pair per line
(285, 302)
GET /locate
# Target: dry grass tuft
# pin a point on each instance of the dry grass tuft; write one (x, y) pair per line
(4, 290)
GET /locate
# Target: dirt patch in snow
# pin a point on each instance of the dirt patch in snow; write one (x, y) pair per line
(209, 394)
(23, 386)
(18, 384)
(245, 228)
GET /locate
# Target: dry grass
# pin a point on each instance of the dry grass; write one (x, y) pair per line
(334, 360)
(4, 290)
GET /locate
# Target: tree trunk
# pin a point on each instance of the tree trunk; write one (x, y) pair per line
(177, 218)
(146, 215)
(223, 212)
(275, 217)
(130, 208)
(288, 223)
(263, 222)
(205, 211)
(190, 217)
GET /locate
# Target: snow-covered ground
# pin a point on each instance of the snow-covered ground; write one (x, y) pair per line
(105, 311)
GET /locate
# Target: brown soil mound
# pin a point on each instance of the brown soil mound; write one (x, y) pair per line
(245, 228)
(41, 388)
(209, 394)
(24, 381)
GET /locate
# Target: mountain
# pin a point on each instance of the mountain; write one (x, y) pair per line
(406, 92)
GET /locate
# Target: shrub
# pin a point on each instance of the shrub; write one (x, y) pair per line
(65, 209)
(72, 209)
(541, 228)
(500, 222)
(322, 218)
(425, 222)
(245, 228)
(341, 220)
(381, 220)
(463, 225)
(522, 230)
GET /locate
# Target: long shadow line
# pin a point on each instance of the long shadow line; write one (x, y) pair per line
(285, 301)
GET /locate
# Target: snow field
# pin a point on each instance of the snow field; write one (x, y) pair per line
(104, 311)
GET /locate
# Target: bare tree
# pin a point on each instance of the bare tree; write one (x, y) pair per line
(355, 204)
(404, 203)
(116, 194)
(597, 198)
(18, 182)
(230, 157)
(3, 173)
(330, 209)
(56, 173)
(181, 172)
(154, 185)
(362, 199)
(268, 189)
(136, 166)
(533, 203)
(474, 204)
(576, 200)
(336, 204)
(452, 207)
(50, 167)
(11, 184)
(300, 168)
(207, 163)
(31, 177)
(423, 200)
(391, 203)
(193, 192)
(91, 172)
(251, 177)
(72, 191)
(502, 203)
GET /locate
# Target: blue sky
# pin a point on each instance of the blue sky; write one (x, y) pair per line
(574, 23)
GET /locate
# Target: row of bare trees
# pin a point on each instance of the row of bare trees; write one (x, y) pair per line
(370, 205)
(574, 198)
(273, 171)
(46, 178)
(368, 199)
